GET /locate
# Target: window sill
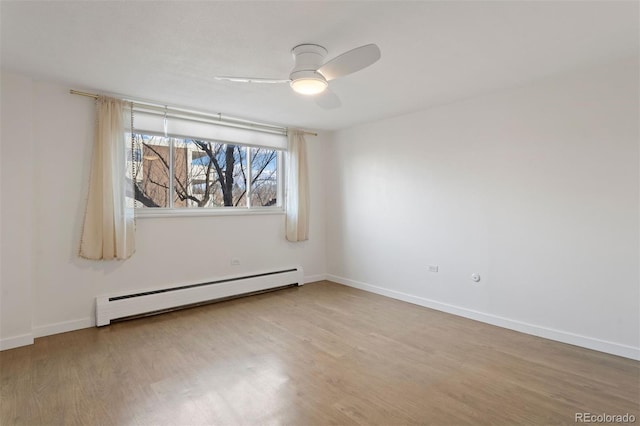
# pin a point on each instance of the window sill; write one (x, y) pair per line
(197, 212)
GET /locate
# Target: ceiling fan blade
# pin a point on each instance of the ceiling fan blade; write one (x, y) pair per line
(350, 62)
(328, 100)
(252, 80)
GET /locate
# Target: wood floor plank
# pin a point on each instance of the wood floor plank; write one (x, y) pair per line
(321, 354)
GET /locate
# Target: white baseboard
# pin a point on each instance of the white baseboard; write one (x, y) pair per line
(16, 341)
(523, 327)
(78, 324)
(314, 278)
(63, 327)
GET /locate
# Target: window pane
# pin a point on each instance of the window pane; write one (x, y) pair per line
(151, 157)
(264, 177)
(205, 174)
(209, 174)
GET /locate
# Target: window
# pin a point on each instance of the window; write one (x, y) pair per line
(186, 173)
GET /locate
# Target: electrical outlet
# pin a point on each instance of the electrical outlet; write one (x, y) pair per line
(433, 268)
(235, 261)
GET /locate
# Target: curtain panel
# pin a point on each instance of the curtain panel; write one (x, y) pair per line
(297, 199)
(109, 222)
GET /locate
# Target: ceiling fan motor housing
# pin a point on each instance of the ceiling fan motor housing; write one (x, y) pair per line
(308, 58)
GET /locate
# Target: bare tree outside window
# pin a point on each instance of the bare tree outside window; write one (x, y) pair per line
(264, 179)
(205, 173)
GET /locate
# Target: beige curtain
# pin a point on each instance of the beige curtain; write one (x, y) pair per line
(108, 231)
(297, 200)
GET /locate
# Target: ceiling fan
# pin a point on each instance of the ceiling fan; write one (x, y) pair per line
(311, 74)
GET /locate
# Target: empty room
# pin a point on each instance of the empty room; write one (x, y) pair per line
(319, 212)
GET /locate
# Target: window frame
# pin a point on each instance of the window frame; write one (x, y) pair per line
(156, 212)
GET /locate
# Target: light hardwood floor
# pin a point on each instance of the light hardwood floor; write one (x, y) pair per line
(319, 354)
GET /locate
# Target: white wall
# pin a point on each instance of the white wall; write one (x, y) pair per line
(535, 188)
(169, 250)
(16, 177)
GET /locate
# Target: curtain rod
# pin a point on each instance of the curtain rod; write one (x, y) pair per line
(159, 107)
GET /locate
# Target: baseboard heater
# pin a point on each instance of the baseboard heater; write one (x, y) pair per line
(120, 306)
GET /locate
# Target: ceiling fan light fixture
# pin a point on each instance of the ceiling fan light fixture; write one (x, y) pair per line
(308, 82)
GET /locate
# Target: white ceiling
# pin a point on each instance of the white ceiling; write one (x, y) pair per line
(432, 52)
